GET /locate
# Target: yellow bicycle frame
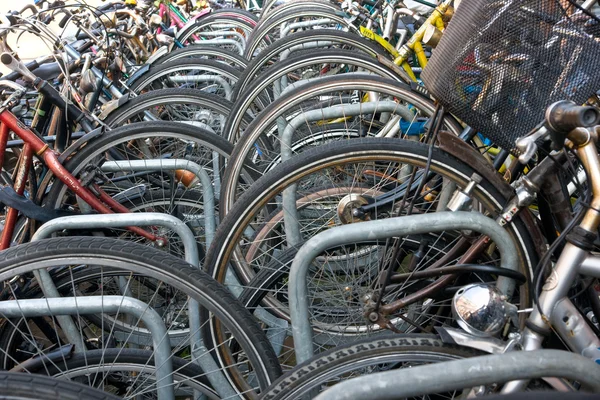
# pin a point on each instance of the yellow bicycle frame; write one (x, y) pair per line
(414, 43)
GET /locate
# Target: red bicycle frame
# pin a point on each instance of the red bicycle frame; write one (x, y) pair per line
(36, 146)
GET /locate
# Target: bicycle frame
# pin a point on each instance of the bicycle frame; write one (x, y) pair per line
(414, 43)
(555, 309)
(34, 146)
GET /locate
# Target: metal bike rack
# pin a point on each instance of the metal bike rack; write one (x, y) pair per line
(199, 352)
(210, 222)
(470, 372)
(290, 212)
(106, 304)
(383, 229)
(174, 164)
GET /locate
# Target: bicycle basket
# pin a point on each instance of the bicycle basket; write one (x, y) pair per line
(500, 63)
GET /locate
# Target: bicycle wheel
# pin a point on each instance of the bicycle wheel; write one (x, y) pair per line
(228, 29)
(238, 344)
(365, 357)
(299, 69)
(207, 75)
(93, 281)
(37, 387)
(307, 40)
(327, 109)
(266, 29)
(203, 51)
(207, 111)
(250, 238)
(148, 141)
(129, 373)
(286, 6)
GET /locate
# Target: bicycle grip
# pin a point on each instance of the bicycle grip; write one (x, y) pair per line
(564, 116)
(15, 65)
(65, 19)
(55, 98)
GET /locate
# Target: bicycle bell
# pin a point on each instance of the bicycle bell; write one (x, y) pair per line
(479, 309)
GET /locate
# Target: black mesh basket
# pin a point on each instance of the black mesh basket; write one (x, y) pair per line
(499, 64)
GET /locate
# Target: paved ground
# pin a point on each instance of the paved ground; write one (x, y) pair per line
(28, 46)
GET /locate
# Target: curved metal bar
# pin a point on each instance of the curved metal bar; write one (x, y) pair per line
(173, 164)
(292, 230)
(199, 351)
(460, 374)
(106, 304)
(383, 229)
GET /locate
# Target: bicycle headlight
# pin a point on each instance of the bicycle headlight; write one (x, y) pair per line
(479, 309)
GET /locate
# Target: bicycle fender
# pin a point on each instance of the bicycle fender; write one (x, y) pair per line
(142, 70)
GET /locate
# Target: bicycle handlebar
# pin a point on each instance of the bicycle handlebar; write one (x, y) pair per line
(561, 118)
(16, 65)
(564, 116)
(5, 22)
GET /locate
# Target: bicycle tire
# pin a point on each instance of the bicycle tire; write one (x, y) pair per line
(205, 51)
(68, 282)
(308, 376)
(263, 28)
(15, 386)
(157, 75)
(165, 268)
(178, 136)
(294, 98)
(346, 39)
(209, 107)
(290, 171)
(247, 85)
(286, 6)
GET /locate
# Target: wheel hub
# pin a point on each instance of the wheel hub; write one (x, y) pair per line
(348, 209)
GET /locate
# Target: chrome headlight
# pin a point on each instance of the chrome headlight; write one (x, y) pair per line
(479, 309)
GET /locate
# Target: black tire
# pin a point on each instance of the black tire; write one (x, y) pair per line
(104, 146)
(236, 321)
(90, 281)
(313, 159)
(205, 51)
(15, 385)
(157, 76)
(237, 247)
(88, 369)
(341, 361)
(263, 29)
(177, 105)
